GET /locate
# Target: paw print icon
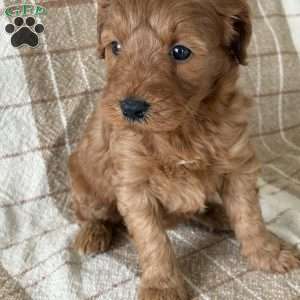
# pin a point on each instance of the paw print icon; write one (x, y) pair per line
(24, 32)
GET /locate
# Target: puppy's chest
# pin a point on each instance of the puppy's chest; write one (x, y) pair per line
(134, 151)
(180, 180)
(184, 187)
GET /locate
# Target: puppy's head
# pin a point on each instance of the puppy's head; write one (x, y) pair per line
(164, 57)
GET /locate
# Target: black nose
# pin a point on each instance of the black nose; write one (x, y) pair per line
(134, 109)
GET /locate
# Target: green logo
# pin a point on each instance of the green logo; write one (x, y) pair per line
(24, 10)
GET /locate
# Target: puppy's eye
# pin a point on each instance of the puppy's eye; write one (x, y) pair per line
(180, 53)
(116, 48)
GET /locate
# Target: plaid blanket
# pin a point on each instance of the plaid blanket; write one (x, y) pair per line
(46, 96)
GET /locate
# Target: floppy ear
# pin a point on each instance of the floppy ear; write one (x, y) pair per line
(102, 11)
(241, 38)
(238, 27)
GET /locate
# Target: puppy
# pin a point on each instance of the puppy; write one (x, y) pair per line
(170, 131)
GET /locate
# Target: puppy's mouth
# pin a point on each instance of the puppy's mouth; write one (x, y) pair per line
(135, 110)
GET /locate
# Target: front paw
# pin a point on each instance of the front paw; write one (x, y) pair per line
(93, 238)
(274, 256)
(162, 294)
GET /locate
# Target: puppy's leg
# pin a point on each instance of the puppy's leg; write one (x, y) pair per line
(263, 250)
(161, 278)
(93, 214)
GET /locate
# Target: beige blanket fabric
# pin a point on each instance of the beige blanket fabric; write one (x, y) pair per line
(46, 96)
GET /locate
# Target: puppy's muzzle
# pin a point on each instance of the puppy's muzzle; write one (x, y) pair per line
(134, 109)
